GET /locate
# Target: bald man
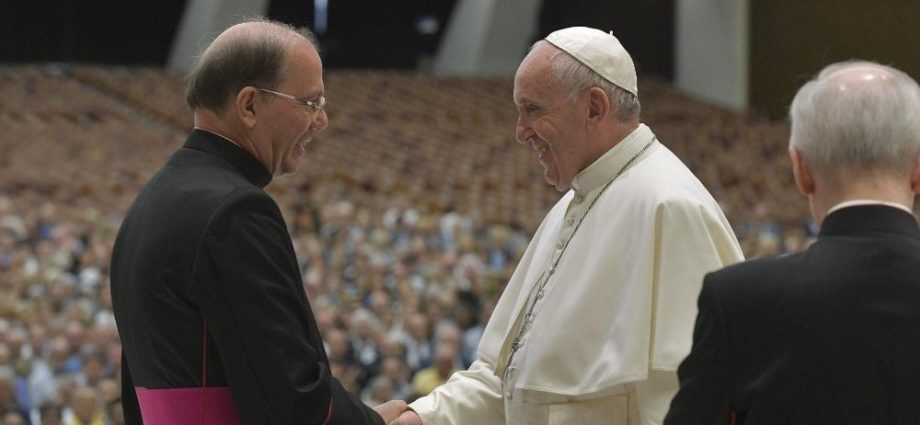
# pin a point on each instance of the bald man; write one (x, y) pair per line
(206, 289)
(829, 335)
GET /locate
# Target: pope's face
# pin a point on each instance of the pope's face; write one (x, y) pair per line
(548, 119)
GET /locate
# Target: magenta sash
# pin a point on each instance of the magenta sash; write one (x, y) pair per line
(187, 406)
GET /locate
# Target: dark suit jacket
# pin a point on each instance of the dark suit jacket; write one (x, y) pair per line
(827, 336)
(204, 244)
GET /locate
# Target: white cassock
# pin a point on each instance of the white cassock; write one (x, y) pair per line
(600, 310)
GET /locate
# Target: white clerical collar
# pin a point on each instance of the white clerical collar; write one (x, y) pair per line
(218, 135)
(605, 168)
(858, 202)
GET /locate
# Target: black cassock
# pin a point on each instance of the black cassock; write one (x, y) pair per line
(830, 335)
(205, 251)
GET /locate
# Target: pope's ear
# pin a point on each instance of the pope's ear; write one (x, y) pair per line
(804, 178)
(245, 104)
(598, 104)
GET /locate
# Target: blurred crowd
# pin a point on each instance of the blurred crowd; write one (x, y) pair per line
(400, 296)
(408, 218)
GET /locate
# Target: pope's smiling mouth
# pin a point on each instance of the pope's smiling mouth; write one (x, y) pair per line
(541, 148)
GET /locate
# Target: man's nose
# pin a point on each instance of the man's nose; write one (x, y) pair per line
(321, 120)
(521, 131)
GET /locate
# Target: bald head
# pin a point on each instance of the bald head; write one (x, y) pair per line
(250, 53)
(858, 118)
(856, 74)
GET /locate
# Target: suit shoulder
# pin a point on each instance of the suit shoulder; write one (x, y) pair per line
(203, 188)
(762, 273)
(245, 200)
(209, 178)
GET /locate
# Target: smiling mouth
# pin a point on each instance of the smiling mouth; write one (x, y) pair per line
(541, 148)
(302, 146)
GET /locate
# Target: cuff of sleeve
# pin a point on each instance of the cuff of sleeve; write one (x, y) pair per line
(424, 407)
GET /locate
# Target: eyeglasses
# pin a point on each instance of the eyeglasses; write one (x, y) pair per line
(316, 105)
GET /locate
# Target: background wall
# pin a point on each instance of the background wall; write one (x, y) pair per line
(645, 27)
(737, 53)
(791, 40)
(712, 50)
(98, 31)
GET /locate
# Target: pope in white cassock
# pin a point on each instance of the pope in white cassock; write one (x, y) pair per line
(600, 310)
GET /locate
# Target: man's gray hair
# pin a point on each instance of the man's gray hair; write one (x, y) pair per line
(258, 60)
(875, 127)
(576, 77)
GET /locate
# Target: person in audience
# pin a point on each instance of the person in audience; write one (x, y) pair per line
(115, 412)
(379, 390)
(50, 414)
(828, 335)
(443, 365)
(598, 313)
(9, 399)
(85, 409)
(395, 370)
(206, 288)
(13, 418)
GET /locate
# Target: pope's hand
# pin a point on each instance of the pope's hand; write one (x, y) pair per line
(390, 410)
(409, 417)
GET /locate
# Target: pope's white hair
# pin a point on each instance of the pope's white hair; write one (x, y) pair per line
(576, 77)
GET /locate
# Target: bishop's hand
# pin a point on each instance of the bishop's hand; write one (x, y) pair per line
(390, 410)
(408, 417)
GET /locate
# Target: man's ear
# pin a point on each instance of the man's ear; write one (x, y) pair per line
(915, 176)
(804, 177)
(598, 105)
(246, 105)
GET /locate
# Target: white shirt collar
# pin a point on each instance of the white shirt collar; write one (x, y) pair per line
(858, 202)
(218, 135)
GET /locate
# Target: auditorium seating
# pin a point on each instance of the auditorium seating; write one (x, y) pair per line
(77, 142)
(449, 139)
